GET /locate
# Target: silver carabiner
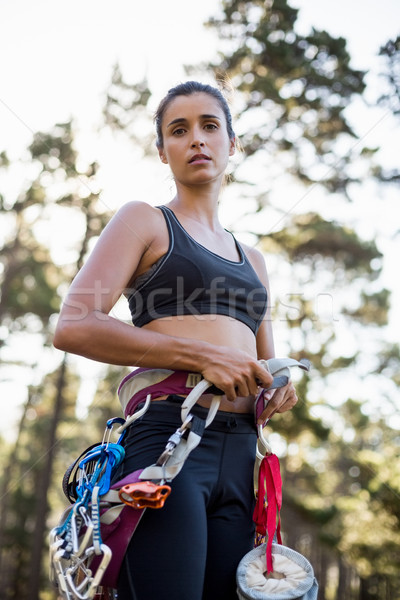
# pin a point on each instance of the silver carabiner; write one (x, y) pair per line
(87, 536)
(263, 441)
(173, 442)
(88, 584)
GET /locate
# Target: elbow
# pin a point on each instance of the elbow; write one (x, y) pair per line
(75, 335)
(61, 337)
(73, 323)
(65, 336)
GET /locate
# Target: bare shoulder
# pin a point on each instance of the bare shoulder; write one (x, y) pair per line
(137, 209)
(120, 250)
(138, 214)
(257, 260)
(134, 223)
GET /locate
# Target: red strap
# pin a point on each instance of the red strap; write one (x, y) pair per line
(265, 517)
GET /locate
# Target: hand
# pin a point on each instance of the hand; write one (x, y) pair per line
(236, 374)
(279, 401)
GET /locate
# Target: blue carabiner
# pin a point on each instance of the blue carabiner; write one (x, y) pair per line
(109, 425)
(111, 422)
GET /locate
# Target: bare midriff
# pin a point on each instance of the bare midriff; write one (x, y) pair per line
(219, 330)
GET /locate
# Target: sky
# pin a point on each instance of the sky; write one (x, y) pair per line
(57, 57)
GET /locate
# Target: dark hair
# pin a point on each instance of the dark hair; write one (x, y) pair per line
(186, 89)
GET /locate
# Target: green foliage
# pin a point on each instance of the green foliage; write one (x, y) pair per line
(105, 403)
(293, 90)
(389, 99)
(30, 281)
(391, 53)
(340, 466)
(310, 237)
(25, 473)
(296, 87)
(368, 507)
(389, 359)
(125, 110)
(345, 495)
(4, 160)
(373, 309)
(55, 150)
(32, 289)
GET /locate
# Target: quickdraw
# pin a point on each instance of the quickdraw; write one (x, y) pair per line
(77, 540)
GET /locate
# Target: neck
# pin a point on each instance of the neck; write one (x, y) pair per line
(199, 203)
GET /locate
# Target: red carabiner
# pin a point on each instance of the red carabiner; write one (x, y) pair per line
(144, 494)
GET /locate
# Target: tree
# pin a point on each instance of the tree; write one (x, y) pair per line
(391, 75)
(292, 91)
(30, 281)
(126, 111)
(63, 181)
(390, 98)
(28, 483)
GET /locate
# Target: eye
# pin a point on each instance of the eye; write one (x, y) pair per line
(211, 126)
(178, 131)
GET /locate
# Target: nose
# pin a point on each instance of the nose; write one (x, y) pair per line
(197, 141)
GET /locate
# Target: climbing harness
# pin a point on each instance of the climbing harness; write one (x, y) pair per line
(79, 554)
(88, 545)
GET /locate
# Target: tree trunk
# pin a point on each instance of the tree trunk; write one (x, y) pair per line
(342, 591)
(364, 593)
(323, 563)
(43, 487)
(9, 476)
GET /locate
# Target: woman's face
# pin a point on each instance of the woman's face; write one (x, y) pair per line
(196, 144)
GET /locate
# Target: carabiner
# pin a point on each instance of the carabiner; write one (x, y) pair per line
(263, 441)
(108, 430)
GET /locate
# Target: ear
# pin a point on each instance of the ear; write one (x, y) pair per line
(162, 156)
(232, 146)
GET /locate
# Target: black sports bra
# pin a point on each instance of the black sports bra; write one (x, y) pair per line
(191, 280)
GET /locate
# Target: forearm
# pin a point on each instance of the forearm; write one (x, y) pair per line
(106, 339)
(100, 337)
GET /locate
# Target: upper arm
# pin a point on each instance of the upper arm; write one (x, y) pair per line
(264, 339)
(113, 261)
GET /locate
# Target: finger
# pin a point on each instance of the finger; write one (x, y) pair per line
(253, 387)
(230, 392)
(264, 417)
(289, 403)
(270, 409)
(268, 394)
(282, 400)
(263, 377)
(243, 389)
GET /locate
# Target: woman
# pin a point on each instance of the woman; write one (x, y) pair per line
(199, 303)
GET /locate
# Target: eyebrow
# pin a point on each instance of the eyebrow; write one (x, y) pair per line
(183, 120)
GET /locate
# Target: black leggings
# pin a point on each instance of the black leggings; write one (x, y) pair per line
(189, 549)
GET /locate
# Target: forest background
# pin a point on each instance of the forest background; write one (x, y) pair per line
(315, 188)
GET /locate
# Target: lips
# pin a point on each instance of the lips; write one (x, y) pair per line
(199, 157)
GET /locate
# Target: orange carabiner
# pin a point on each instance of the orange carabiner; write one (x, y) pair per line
(144, 494)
